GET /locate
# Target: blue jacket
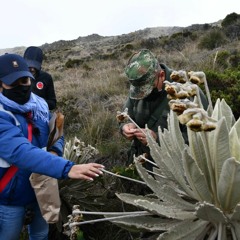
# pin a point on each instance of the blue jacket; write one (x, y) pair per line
(28, 157)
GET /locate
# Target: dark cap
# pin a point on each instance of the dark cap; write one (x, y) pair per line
(141, 72)
(34, 57)
(13, 67)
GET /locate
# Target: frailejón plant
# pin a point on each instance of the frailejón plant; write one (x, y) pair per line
(196, 185)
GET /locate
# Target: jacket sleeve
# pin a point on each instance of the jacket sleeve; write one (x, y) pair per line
(17, 150)
(58, 146)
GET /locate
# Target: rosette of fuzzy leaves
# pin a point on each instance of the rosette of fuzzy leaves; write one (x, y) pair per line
(196, 186)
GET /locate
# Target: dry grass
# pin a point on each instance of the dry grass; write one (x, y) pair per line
(90, 99)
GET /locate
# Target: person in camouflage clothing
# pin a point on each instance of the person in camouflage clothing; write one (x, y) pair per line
(147, 102)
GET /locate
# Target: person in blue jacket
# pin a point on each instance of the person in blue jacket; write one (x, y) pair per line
(16, 102)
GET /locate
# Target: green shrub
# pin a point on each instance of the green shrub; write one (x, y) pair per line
(128, 46)
(149, 43)
(225, 85)
(213, 39)
(234, 59)
(71, 63)
(222, 59)
(230, 19)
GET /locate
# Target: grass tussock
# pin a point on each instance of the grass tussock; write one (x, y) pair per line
(90, 101)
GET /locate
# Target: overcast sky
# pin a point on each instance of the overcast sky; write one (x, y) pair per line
(35, 22)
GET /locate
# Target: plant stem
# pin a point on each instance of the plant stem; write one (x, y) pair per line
(220, 229)
(156, 174)
(233, 233)
(208, 95)
(213, 234)
(107, 219)
(120, 176)
(108, 213)
(215, 59)
(147, 160)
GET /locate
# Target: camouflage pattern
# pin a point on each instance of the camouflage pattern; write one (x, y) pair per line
(141, 72)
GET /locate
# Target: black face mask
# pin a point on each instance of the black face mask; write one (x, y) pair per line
(19, 94)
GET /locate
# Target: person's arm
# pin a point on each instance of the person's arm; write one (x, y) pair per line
(17, 150)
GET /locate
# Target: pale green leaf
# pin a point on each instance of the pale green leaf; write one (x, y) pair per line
(237, 127)
(148, 223)
(222, 109)
(236, 214)
(176, 134)
(210, 212)
(160, 177)
(226, 112)
(222, 231)
(234, 140)
(199, 153)
(155, 206)
(235, 229)
(171, 160)
(170, 167)
(155, 150)
(196, 178)
(228, 185)
(216, 114)
(163, 190)
(168, 145)
(185, 230)
(220, 147)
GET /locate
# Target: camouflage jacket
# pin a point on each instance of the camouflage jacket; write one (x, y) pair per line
(153, 111)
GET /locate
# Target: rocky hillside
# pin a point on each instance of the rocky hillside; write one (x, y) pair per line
(101, 40)
(83, 47)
